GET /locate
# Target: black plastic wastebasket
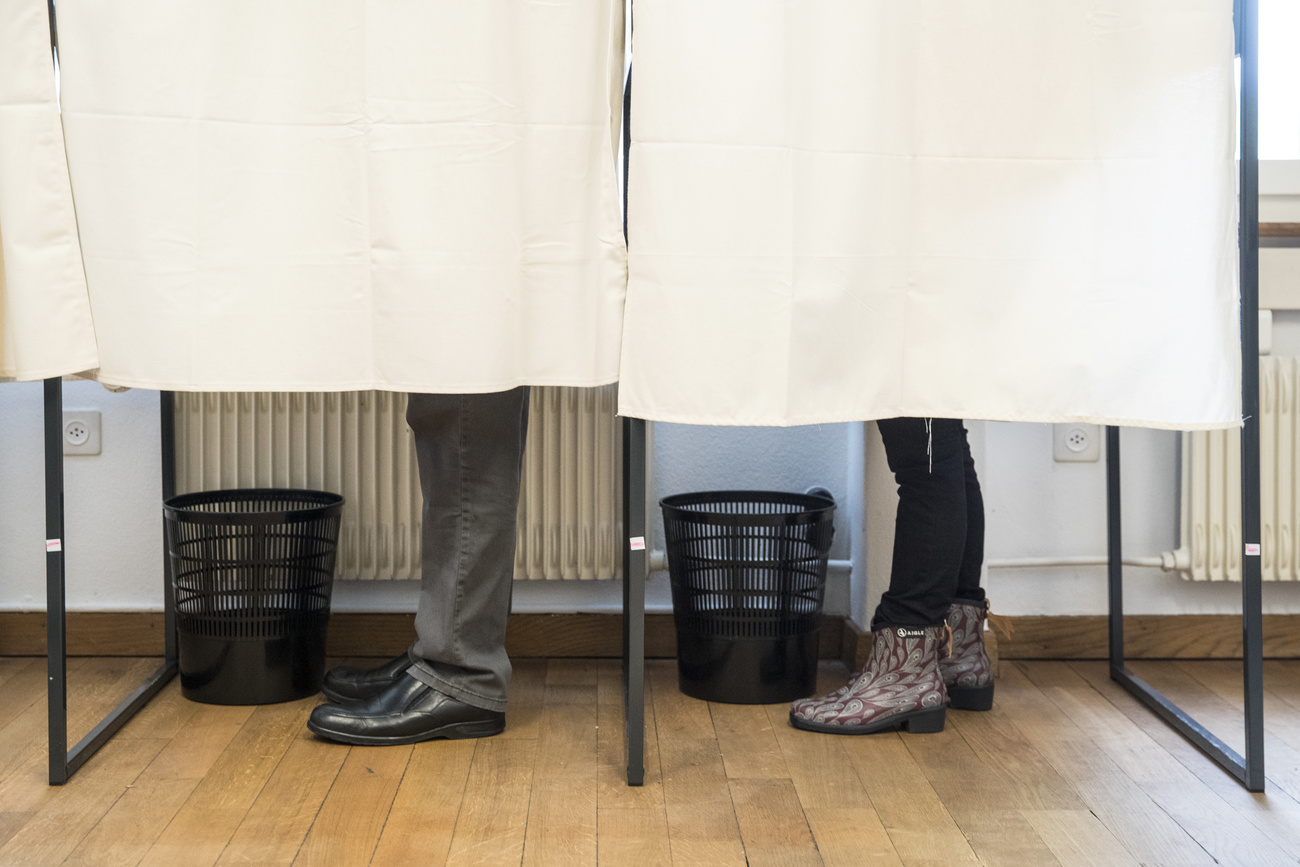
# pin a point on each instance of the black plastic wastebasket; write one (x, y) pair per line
(748, 572)
(252, 572)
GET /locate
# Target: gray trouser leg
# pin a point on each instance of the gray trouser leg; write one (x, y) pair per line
(470, 449)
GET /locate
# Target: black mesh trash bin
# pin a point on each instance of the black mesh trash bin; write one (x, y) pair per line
(748, 571)
(252, 571)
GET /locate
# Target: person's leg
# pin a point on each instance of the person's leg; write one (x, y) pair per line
(900, 687)
(927, 457)
(470, 450)
(967, 671)
(972, 560)
(455, 678)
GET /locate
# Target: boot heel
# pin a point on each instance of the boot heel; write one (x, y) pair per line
(971, 697)
(926, 723)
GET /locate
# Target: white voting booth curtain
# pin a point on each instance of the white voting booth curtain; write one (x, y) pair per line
(348, 194)
(45, 324)
(997, 209)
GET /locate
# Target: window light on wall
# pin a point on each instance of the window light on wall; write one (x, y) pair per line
(1279, 80)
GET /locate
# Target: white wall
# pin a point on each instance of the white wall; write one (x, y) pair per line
(113, 538)
(1036, 507)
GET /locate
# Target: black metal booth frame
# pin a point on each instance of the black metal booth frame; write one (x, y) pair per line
(1248, 769)
(63, 762)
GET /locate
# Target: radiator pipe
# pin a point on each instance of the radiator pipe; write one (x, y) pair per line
(1167, 561)
(659, 562)
(1170, 561)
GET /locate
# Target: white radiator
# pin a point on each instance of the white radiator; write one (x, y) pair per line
(357, 444)
(1211, 487)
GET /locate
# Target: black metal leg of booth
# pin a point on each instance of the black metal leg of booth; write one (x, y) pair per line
(1249, 769)
(167, 421)
(1252, 602)
(634, 554)
(64, 762)
(634, 572)
(56, 647)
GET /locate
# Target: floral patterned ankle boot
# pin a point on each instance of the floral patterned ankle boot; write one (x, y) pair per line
(900, 688)
(967, 672)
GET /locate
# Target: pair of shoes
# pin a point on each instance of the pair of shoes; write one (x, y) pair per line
(407, 712)
(967, 671)
(348, 683)
(899, 688)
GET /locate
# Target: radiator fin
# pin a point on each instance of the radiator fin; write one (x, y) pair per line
(1211, 519)
(357, 444)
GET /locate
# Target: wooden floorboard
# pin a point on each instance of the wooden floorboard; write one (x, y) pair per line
(1066, 769)
(1256, 829)
(209, 817)
(844, 824)
(562, 810)
(632, 822)
(1064, 735)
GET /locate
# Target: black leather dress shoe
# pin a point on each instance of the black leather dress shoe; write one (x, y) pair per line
(349, 683)
(406, 713)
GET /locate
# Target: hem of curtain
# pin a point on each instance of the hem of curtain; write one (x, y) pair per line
(629, 410)
(81, 368)
(423, 386)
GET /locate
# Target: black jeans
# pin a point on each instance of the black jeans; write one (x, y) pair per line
(939, 530)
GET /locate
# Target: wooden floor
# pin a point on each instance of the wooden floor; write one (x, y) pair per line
(1065, 769)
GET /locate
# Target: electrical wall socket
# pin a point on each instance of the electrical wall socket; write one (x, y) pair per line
(1074, 441)
(82, 432)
